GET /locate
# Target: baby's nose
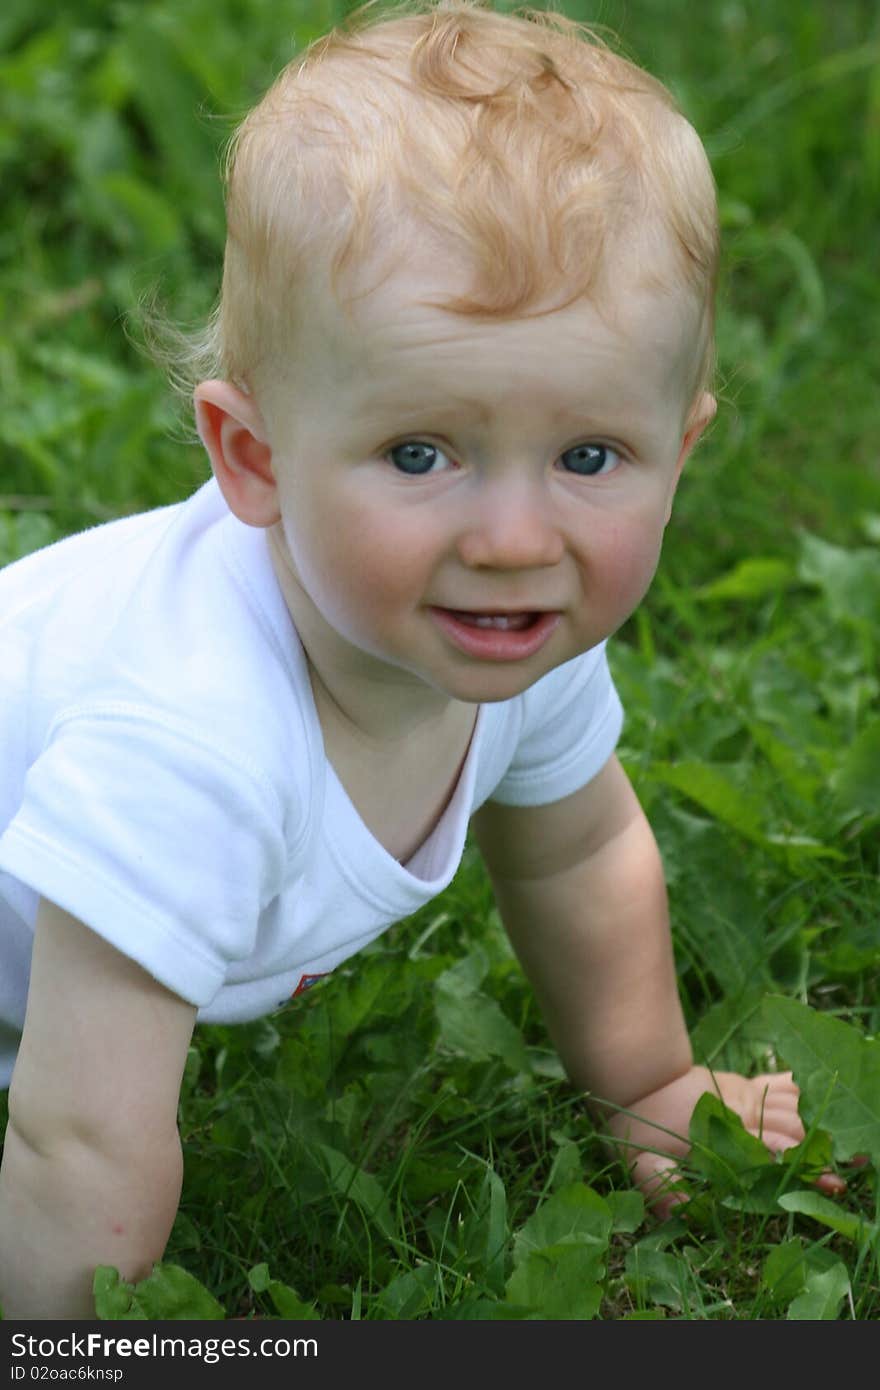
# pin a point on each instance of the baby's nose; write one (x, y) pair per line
(511, 528)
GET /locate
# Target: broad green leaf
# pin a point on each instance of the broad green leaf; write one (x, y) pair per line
(371, 992)
(259, 1278)
(424, 1179)
(465, 976)
(722, 931)
(483, 1234)
(354, 1184)
(827, 1213)
(574, 1215)
(785, 1272)
(822, 1296)
(655, 1276)
(169, 1292)
(713, 788)
(627, 1211)
(722, 1148)
(720, 1037)
(858, 783)
(561, 1282)
(287, 1301)
(723, 790)
(495, 1198)
(850, 958)
(409, 1294)
(837, 1070)
(567, 1166)
(849, 579)
(476, 1025)
(790, 762)
(751, 578)
(811, 1156)
(113, 1297)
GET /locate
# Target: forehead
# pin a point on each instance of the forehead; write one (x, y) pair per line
(392, 346)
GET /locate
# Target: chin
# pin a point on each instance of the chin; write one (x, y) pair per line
(491, 687)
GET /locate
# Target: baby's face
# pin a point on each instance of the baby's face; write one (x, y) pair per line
(473, 503)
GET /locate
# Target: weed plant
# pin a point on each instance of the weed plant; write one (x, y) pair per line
(401, 1142)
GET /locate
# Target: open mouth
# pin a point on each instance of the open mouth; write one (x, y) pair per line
(496, 636)
(502, 622)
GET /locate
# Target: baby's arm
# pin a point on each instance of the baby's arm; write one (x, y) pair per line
(92, 1165)
(580, 888)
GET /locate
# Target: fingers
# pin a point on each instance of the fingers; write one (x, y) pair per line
(773, 1113)
(657, 1178)
(778, 1127)
(831, 1183)
(652, 1138)
(777, 1081)
(835, 1185)
(776, 1140)
(665, 1204)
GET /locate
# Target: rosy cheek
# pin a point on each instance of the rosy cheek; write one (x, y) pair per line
(368, 577)
(628, 561)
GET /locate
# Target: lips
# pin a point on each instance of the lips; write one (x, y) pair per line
(494, 636)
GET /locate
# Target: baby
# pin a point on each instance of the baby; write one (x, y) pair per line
(462, 353)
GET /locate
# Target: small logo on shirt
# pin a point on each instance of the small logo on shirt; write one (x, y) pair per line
(306, 982)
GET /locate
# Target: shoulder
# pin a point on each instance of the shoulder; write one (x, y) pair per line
(565, 685)
(568, 725)
(164, 634)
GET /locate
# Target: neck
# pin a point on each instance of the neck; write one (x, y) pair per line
(381, 717)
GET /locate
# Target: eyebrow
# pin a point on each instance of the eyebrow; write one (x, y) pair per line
(381, 406)
(392, 405)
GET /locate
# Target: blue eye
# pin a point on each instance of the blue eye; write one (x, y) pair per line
(589, 460)
(415, 457)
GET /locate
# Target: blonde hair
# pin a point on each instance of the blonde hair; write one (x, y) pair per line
(521, 142)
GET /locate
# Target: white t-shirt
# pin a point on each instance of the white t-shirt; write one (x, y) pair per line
(163, 777)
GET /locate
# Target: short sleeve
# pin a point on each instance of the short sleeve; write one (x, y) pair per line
(158, 841)
(572, 720)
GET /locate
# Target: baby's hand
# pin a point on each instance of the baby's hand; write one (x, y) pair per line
(655, 1134)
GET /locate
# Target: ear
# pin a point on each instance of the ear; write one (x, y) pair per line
(702, 414)
(232, 430)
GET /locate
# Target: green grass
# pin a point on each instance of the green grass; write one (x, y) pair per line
(402, 1142)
